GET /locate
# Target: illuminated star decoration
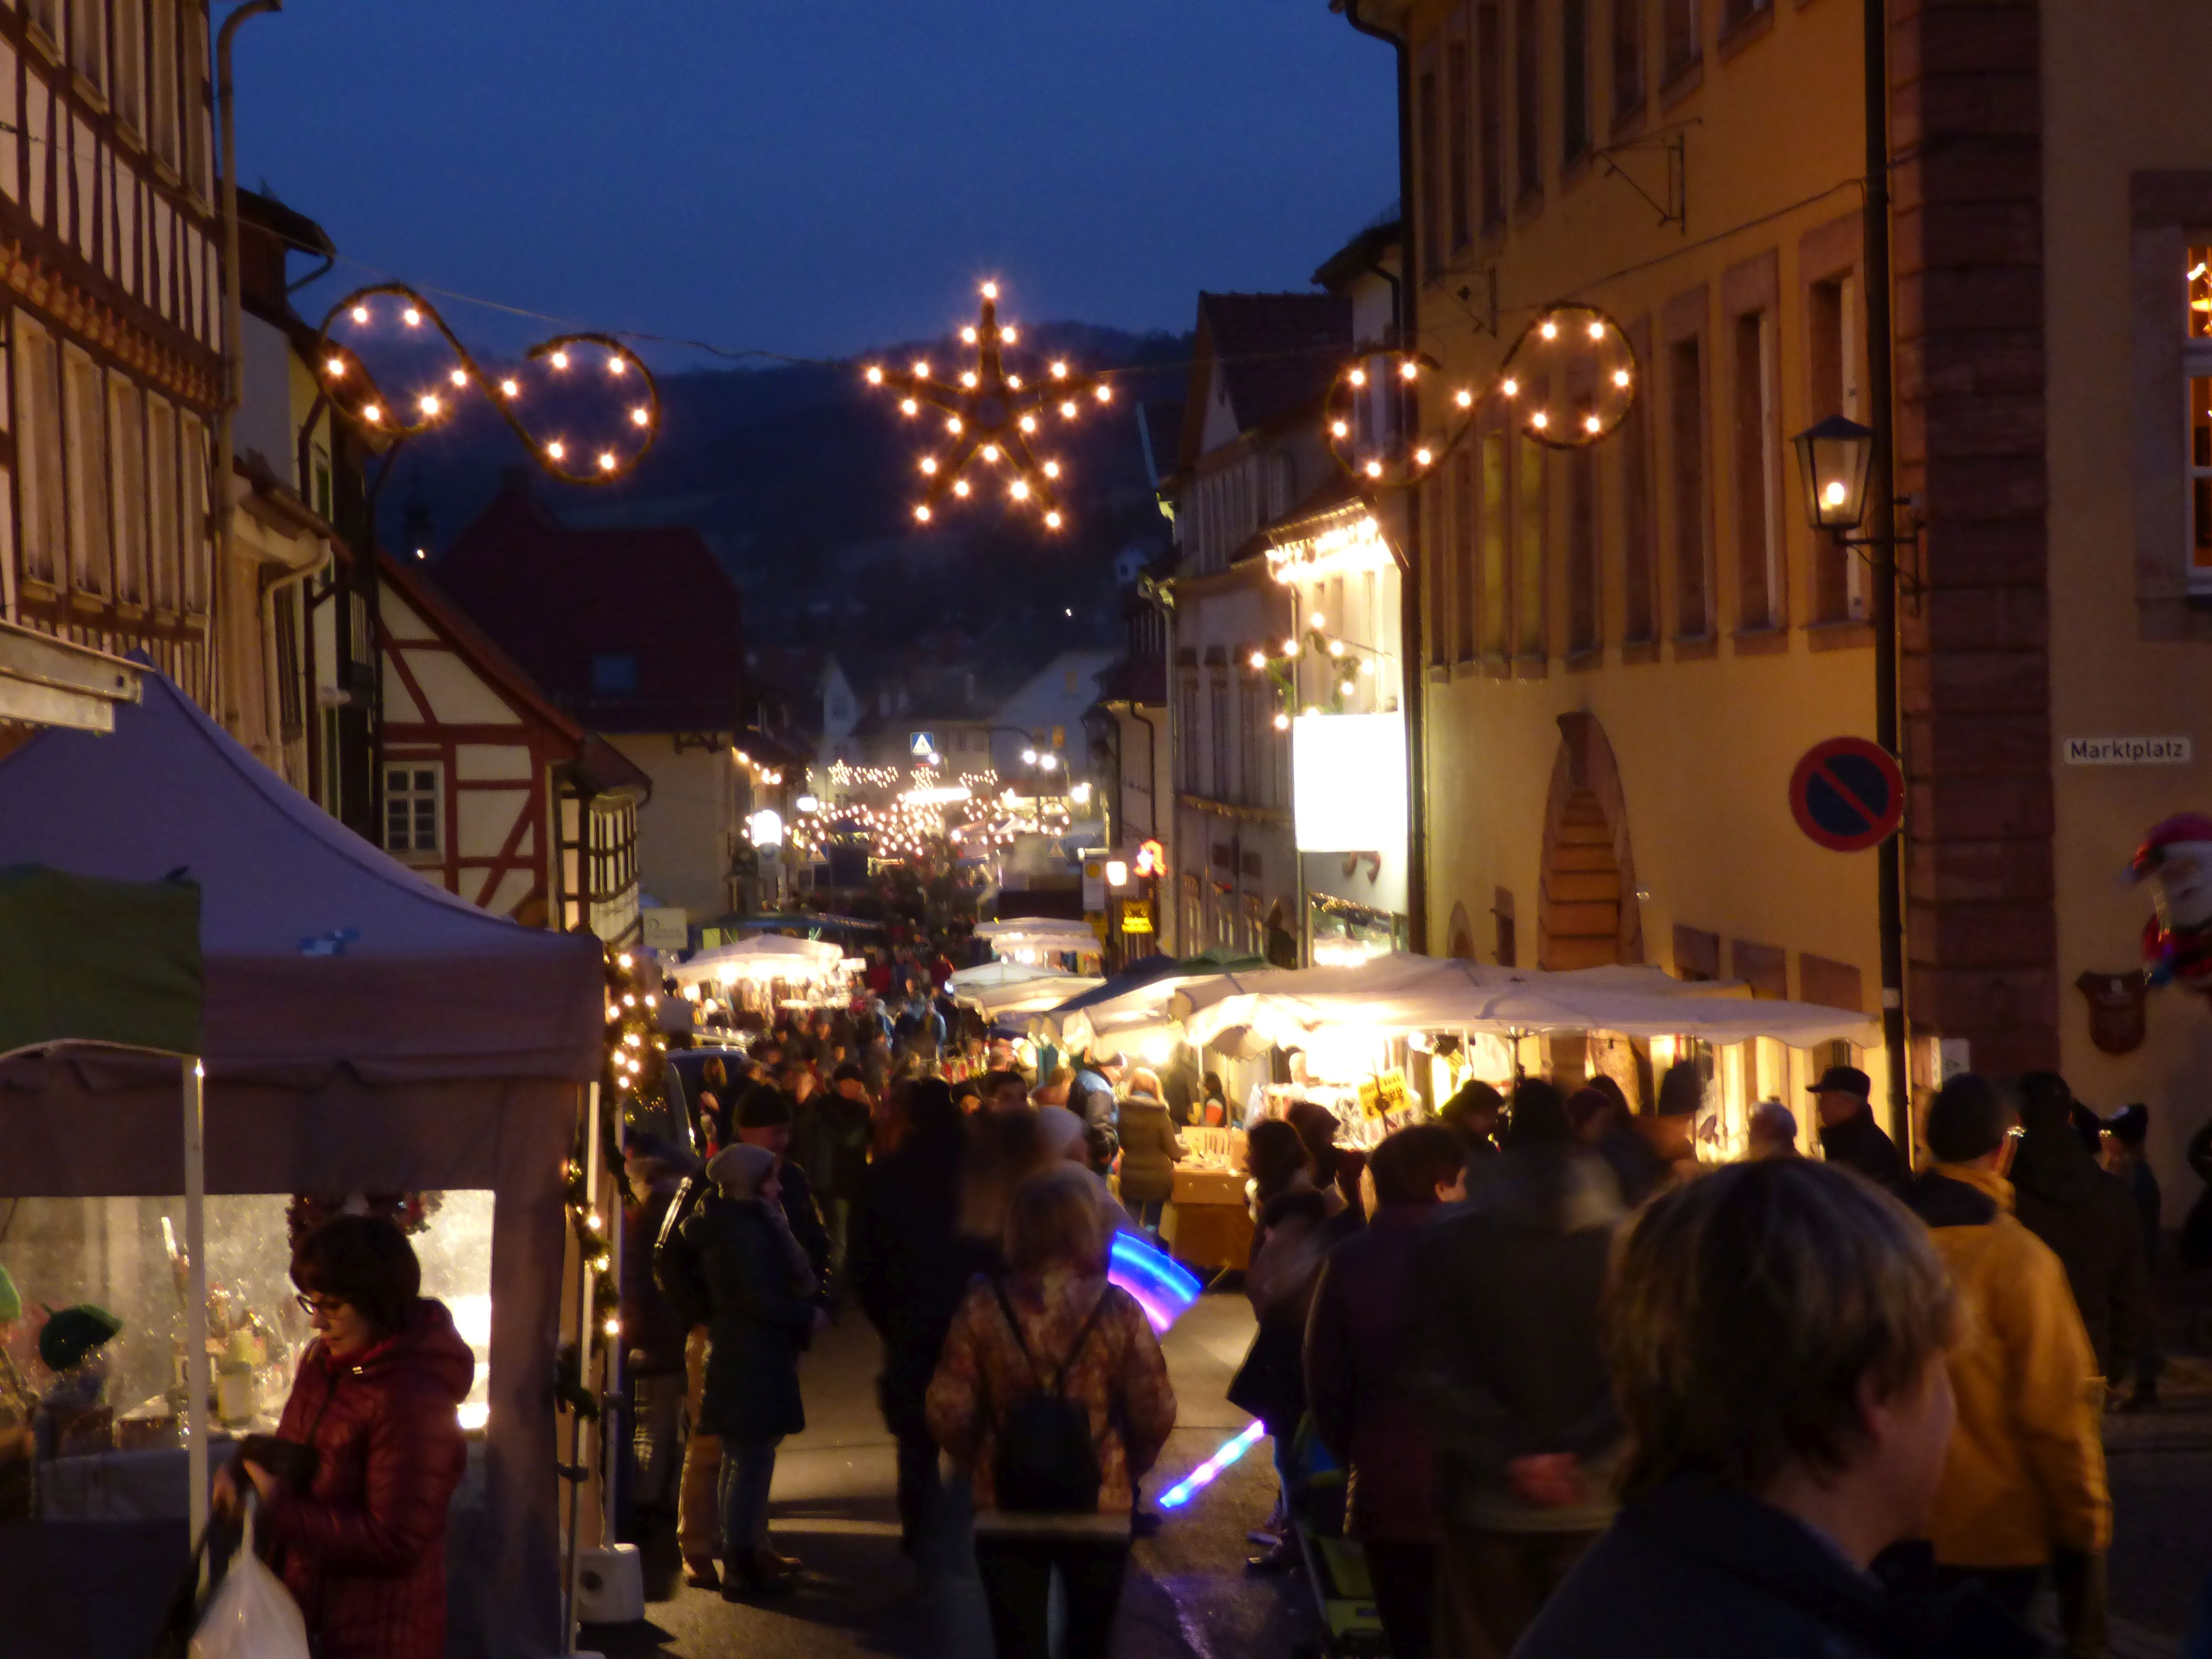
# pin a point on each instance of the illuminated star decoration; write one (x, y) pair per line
(991, 418)
(567, 358)
(1570, 381)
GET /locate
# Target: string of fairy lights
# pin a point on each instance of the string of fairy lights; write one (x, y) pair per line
(917, 815)
(1347, 664)
(1569, 381)
(365, 317)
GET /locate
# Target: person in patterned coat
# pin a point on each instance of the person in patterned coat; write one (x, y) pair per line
(1053, 1316)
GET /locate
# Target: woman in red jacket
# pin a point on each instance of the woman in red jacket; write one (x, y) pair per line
(362, 1543)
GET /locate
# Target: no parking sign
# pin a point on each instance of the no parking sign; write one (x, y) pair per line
(1847, 794)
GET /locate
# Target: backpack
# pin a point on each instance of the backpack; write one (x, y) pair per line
(1047, 1460)
(675, 1260)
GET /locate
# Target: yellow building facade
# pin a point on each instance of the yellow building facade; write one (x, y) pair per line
(1627, 649)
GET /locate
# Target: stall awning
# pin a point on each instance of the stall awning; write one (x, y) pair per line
(84, 960)
(765, 956)
(988, 976)
(1025, 996)
(45, 681)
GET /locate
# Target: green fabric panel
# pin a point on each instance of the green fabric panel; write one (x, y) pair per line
(89, 960)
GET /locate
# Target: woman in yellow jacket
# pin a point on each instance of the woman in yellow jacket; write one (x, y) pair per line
(2023, 1489)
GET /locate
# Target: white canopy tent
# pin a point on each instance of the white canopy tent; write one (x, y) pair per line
(989, 976)
(1029, 937)
(766, 955)
(1027, 996)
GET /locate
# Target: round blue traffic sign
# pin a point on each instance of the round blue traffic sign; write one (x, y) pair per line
(1847, 794)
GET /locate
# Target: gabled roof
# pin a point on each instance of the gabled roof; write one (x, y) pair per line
(1361, 253)
(1275, 354)
(557, 599)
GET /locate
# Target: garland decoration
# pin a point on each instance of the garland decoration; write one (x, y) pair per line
(1569, 381)
(563, 361)
(991, 415)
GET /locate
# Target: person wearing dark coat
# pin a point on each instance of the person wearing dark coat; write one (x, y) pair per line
(764, 1117)
(760, 1291)
(1849, 1134)
(1504, 1356)
(1473, 1114)
(1776, 1338)
(652, 1330)
(909, 1270)
(2130, 1166)
(1355, 1381)
(2087, 1218)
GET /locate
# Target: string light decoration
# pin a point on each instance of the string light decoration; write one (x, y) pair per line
(1349, 668)
(992, 419)
(565, 361)
(1570, 381)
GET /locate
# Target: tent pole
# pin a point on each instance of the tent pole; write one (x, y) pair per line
(572, 1585)
(612, 1424)
(196, 1310)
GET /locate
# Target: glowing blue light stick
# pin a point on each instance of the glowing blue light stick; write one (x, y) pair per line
(1162, 1287)
(1183, 1491)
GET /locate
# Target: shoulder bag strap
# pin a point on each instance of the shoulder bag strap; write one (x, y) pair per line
(1082, 1338)
(999, 1289)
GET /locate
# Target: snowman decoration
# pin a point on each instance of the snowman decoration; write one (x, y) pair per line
(2176, 856)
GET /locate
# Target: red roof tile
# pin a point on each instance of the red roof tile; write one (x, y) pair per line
(558, 600)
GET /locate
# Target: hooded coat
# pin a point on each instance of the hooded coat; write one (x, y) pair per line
(2024, 1475)
(363, 1549)
(2091, 1223)
(760, 1316)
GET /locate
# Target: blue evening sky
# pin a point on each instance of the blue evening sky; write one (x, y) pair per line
(816, 176)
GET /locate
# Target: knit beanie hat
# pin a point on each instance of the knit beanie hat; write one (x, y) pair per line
(73, 1335)
(739, 1171)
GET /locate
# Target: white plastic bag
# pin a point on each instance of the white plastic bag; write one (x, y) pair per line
(251, 1616)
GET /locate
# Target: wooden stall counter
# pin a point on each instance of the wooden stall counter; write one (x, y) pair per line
(1206, 1224)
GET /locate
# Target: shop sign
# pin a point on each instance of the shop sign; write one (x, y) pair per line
(1136, 915)
(1383, 1092)
(2128, 752)
(1094, 883)
(1348, 783)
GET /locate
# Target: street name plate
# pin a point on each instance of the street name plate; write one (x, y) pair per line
(2127, 752)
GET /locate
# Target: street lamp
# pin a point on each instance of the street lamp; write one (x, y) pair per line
(1834, 458)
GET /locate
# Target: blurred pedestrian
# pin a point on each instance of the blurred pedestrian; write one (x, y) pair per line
(652, 1331)
(1598, 1115)
(843, 1124)
(1472, 1114)
(1772, 1132)
(1150, 1151)
(1362, 1412)
(1296, 1221)
(763, 1300)
(764, 1121)
(2086, 1215)
(1504, 1352)
(909, 1270)
(2126, 1157)
(1212, 1102)
(1849, 1135)
(1092, 1098)
(1005, 1091)
(1776, 1333)
(1318, 1127)
(1052, 1339)
(2022, 1496)
(1054, 1091)
(677, 1271)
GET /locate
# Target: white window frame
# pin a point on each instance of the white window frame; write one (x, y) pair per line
(404, 807)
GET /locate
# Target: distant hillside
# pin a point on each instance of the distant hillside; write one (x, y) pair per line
(804, 482)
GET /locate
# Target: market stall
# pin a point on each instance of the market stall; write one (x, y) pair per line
(365, 1033)
(1044, 939)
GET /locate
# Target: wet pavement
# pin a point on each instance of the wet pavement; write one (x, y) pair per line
(832, 1506)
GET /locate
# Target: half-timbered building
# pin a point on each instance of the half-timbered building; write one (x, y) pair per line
(112, 326)
(487, 788)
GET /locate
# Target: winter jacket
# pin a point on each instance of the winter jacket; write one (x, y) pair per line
(1292, 1238)
(1092, 1099)
(908, 1267)
(1692, 1570)
(804, 1216)
(2025, 1475)
(1503, 1349)
(759, 1321)
(2086, 1217)
(675, 1256)
(1858, 1143)
(652, 1330)
(1119, 1376)
(363, 1549)
(840, 1130)
(1150, 1147)
(1356, 1389)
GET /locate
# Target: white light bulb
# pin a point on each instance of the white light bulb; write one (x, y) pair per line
(1052, 469)
(1015, 381)
(1052, 521)
(1020, 491)
(1409, 370)
(360, 313)
(1540, 420)
(1006, 335)
(1290, 648)
(1591, 423)
(990, 290)
(922, 514)
(1374, 469)
(1597, 331)
(606, 460)
(1510, 387)
(960, 487)
(909, 407)
(429, 404)
(952, 423)
(875, 376)
(557, 449)
(968, 336)
(335, 367)
(616, 365)
(929, 464)
(1105, 394)
(560, 360)
(1358, 377)
(1550, 330)
(1421, 458)
(920, 370)
(990, 451)
(1620, 376)
(1068, 410)
(411, 317)
(641, 417)
(458, 377)
(1282, 722)
(1833, 495)
(372, 414)
(1258, 659)
(968, 379)
(1340, 428)
(1464, 399)
(1029, 422)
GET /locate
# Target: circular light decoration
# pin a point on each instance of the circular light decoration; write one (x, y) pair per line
(990, 416)
(632, 407)
(1568, 382)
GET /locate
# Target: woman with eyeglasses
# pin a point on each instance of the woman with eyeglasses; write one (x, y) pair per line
(357, 1524)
